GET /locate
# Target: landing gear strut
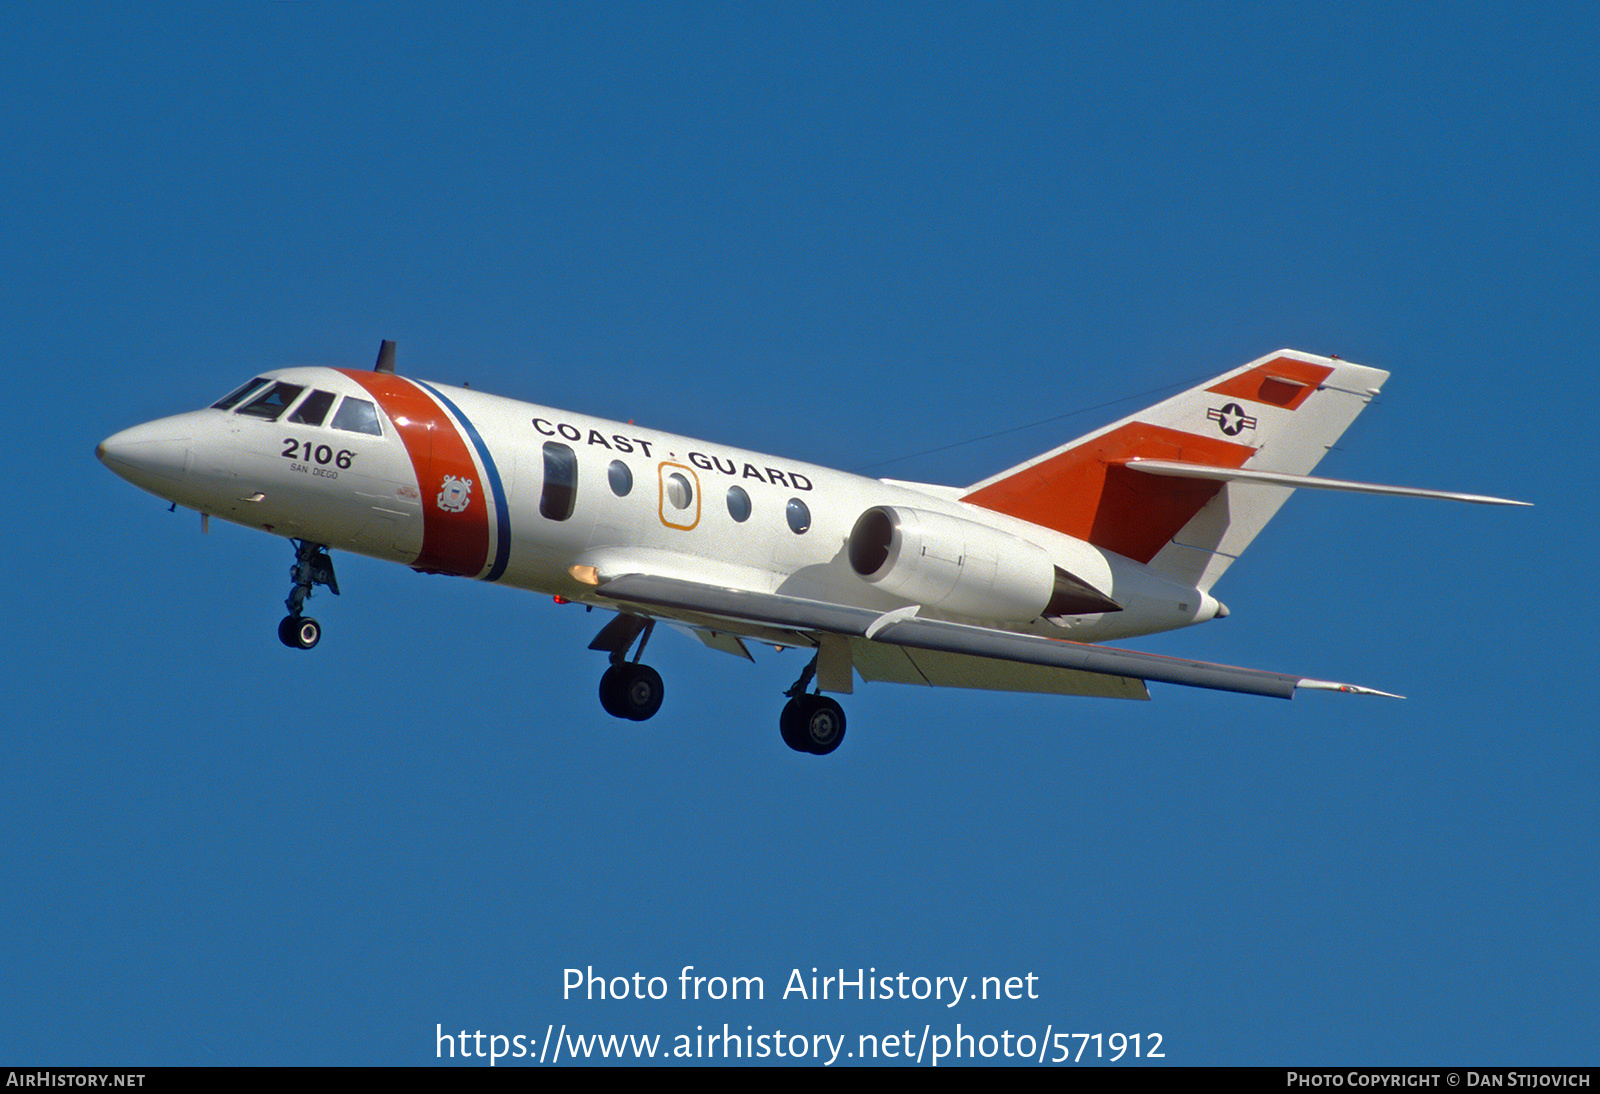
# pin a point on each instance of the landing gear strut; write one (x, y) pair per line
(811, 723)
(628, 689)
(312, 566)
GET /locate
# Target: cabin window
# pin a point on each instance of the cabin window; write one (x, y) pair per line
(314, 410)
(738, 504)
(227, 402)
(621, 478)
(680, 495)
(560, 492)
(798, 515)
(358, 416)
(271, 404)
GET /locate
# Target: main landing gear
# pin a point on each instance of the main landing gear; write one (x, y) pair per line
(628, 689)
(312, 566)
(811, 723)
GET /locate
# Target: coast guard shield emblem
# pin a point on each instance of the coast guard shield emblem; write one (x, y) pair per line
(456, 494)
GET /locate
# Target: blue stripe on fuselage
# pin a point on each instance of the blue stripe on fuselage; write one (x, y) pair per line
(502, 516)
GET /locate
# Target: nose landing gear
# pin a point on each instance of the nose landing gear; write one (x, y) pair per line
(312, 566)
(299, 632)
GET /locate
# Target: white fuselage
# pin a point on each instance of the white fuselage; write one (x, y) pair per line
(474, 484)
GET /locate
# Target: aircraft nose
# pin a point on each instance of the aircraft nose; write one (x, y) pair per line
(153, 455)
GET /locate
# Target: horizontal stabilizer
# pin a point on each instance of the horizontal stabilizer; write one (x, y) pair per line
(1176, 469)
(898, 629)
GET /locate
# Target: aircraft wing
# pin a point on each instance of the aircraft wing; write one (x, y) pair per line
(904, 629)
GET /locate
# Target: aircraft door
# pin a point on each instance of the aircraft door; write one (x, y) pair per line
(680, 495)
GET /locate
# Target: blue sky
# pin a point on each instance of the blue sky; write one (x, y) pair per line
(842, 236)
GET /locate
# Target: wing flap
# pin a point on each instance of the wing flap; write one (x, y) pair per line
(934, 668)
(939, 637)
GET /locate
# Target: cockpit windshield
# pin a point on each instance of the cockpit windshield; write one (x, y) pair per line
(227, 402)
(273, 402)
(267, 399)
(314, 409)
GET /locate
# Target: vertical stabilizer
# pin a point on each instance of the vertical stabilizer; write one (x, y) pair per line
(1280, 413)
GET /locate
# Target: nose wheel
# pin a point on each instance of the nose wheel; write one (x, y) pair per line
(299, 632)
(312, 566)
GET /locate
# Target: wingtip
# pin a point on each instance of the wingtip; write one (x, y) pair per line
(1348, 689)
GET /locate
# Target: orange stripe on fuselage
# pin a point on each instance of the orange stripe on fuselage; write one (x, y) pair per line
(452, 543)
(1282, 381)
(1083, 493)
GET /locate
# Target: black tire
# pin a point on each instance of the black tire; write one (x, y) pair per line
(611, 685)
(792, 728)
(642, 695)
(822, 724)
(631, 691)
(307, 633)
(299, 632)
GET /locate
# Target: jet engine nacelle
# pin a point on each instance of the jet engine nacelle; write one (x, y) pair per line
(954, 565)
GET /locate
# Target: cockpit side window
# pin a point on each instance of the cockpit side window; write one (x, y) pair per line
(273, 402)
(357, 416)
(315, 408)
(228, 401)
